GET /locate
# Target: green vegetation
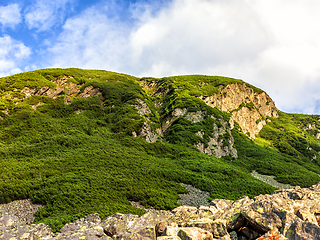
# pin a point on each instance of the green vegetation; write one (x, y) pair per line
(289, 135)
(184, 91)
(77, 164)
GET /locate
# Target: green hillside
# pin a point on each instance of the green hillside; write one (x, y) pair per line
(76, 153)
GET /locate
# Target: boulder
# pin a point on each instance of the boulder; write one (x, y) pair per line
(286, 214)
(85, 228)
(194, 233)
(118, 223)
(171, 231)
(168, 238)
(303, 230)
(129, 226)
(12, 228)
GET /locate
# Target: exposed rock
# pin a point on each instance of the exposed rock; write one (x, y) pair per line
(89, 92)
(194, 233)
(67, 100)
(176, 113)
(231, 97)
(147, 133)
(42, 90)
(188, 215)
(194, 197)
(311, 126)
(286, 214)
(12, 228)
(152, 88)
(249, 120)
(171, 231)
(6, 111)
(195, 117)
(219, 228)
(221, 204)
(132, 227)
(86, 228)
(273, 234)
(218, 145)
(22, 209)
(159, 228)
(168, 238)
(28, 91)
(270, 180)
(64, 86)
(53, 93)
(142, 107)
(79, 111)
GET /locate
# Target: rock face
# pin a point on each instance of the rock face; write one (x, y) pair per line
(221, 140)
(147, 133)
(291, 214)
(63, 87)
(248, 108)
(219, 145)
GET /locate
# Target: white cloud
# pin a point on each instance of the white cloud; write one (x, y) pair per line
(273, 44)
(43, 14)
(10, 15)
(91, 40)
(12, 53)
(196, 35)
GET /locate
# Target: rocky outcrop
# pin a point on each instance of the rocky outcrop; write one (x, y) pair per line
(286, 214)
(219, 144)
(248, 108)
(250, 121)
(12, 228)
(64, 86)
(176, 113)
(147, 133)
(251, 109)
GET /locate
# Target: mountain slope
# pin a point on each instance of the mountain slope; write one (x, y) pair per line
(86, 141)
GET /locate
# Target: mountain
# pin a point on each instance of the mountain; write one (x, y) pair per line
(90, 141)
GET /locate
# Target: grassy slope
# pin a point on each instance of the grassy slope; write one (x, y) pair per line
(78, 164)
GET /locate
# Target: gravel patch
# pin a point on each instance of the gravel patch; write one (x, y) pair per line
(270, 180)
(22, 209)
(195, 197)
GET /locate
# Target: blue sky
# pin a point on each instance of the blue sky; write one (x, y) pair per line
(274, 44)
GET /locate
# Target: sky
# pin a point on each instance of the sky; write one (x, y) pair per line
(273, 44)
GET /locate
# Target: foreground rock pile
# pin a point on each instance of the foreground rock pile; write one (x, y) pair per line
(292, 214)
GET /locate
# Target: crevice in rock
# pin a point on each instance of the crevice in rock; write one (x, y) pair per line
(317, 215)
(246, 227)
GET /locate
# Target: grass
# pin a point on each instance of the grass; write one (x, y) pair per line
(77, 164)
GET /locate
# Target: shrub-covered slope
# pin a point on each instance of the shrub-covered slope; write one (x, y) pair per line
(86, 141)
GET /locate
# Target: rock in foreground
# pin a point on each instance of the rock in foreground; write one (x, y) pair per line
(292, 214)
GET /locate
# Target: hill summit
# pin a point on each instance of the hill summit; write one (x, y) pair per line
(90, 141)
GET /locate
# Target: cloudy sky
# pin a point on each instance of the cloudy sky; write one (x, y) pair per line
(273, 44)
